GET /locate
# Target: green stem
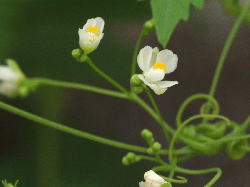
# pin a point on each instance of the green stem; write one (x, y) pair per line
(226, 49)
(70, 130)
(156, 108)
(227, 139)
(136, 51)
(64, 84)
(172, 142)
(152, 100)
(202, 171)
(106, 77)
(152, 113)
(193, 172)
(179, 180)
(192, 98)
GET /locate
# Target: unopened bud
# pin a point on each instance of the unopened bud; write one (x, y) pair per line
(149, 26)
(76, 53)
(156, 146)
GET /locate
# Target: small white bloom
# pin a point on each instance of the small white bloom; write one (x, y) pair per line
(10, 77)
(155, 64)
(152, 180)
(91, 34)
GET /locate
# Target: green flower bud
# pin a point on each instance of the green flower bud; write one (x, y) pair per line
(125, 161)
(149, 26)
(137, 89)
(76, 53)
(137, 85)
(131, 156)
(146, 134)
(156, 146)
(150, 151)
(135, 80)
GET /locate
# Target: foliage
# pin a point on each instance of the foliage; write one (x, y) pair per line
(207, 133)
(168, 13)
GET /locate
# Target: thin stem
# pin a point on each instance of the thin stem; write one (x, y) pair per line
(172, 142)
(136, 50)
(233, 138)
(70, 130)
(152, 100)
(179, 180)
(202, 171)
(192, 98)
(156, 108)
(152, 113)
(85, 87)
(105, 76)
(226, 49)
(193, 172)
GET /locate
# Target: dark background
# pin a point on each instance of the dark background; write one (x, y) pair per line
(40, 35)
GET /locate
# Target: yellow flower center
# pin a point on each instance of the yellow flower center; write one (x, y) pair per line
(160, 65)
(93, 30)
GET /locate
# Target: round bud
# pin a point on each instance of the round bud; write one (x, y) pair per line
(150, 151)
(135, 80)
(137, 89)
(131, 156)
(146, 134)
(149, 26)
(156, 146)
(125, 161)
(76, 53)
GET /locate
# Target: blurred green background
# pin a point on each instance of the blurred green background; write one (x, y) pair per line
(40, 35)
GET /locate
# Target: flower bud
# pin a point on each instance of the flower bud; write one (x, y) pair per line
(149, 26)
(156, 147)
(131, 156)
(137, 89)
(125, 161)
(147, 135)
(135, 80)
(136, 84)
(76, 53)
(150, 151)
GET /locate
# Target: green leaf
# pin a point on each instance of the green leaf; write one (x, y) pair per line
(168, 13)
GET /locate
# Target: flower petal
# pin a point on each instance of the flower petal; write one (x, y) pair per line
(7, 74)
(100, 24)
(90, 23)
(166, 84)
(168, 57)
(144, 58)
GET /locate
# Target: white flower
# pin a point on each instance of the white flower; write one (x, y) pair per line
(155, 64)
(10, 78)
(152, 180)
(91, 34)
